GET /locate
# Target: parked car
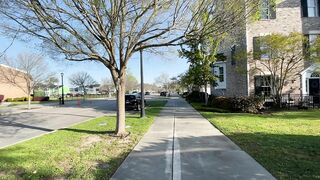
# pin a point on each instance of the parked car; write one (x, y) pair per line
(147, 93)
(163, 93)
(133, 102)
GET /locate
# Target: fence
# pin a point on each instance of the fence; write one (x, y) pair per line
(295, 100)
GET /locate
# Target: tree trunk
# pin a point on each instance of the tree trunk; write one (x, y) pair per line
(29, 101)
(205, 95)
(121, 113)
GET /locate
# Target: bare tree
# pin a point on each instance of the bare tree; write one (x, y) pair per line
(279, 59)
(132, 82)
(163, 81)
(107, 86)
(26, 72)
(111, 31)
(82, 80)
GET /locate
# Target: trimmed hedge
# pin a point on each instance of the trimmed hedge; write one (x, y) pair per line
(238, 104)
(19, 99)
(42, 98)
(249, 104)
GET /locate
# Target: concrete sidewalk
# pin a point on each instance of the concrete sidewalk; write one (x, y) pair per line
(181, 144)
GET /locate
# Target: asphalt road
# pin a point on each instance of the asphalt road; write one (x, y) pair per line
(18, 124)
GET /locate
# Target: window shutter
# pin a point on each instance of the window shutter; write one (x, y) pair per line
(306, 47)
(273, 13)
(318, 3)
(256, 48)
(304, 8)
(233, 55)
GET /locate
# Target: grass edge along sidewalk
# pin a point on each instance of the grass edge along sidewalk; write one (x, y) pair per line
(286, 143)
(84, 151)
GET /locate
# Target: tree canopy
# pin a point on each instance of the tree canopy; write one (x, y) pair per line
(111, 31)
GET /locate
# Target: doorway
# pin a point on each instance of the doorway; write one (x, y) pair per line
(314, 89)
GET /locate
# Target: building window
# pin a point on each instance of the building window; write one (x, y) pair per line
(315, 75)
(221, 74)
(310, 8)
(312, 39)
(260, 49)
(262, 85)
(267, 10)
(219, 70)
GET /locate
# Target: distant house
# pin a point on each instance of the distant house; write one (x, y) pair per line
(93, 89)
(8, 89)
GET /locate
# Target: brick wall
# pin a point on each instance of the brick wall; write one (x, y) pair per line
(240, 77)
(288, 19)
(9, 90)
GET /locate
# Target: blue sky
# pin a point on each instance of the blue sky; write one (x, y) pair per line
(168, 62)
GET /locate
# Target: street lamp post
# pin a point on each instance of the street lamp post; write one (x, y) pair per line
(142, 113)
(62, 91)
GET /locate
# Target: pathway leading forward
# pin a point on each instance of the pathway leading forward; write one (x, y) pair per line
(181, 144)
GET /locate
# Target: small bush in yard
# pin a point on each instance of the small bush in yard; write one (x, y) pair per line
(221, 102)
(19, 99)
(249, 104)
(238, 104)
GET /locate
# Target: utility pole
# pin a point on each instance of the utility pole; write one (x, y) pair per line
(62, 91)
(142, 113)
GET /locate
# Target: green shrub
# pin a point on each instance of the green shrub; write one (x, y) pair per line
(18, 99)
(9, 100)
(237, 104)
(249, 104)
(221, 102)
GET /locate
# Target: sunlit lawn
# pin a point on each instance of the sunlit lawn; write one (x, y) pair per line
(85, 151)
(285, 143)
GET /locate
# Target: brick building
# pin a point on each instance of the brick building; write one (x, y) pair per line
(235, 77)
(8, 89)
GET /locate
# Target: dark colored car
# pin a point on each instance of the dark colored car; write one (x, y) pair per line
(147, 93)
(163, 93)
(133, 102)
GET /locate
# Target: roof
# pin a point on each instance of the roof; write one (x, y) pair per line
(311, 68)
(5, 66)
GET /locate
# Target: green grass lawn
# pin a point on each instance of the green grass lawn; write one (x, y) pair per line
(85, 151)
(287, 144)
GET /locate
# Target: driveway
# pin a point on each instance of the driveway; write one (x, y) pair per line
(18, 124)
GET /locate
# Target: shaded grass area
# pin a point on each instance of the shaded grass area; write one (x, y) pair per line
(287, 144)
(85, 151)
(202, 107)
